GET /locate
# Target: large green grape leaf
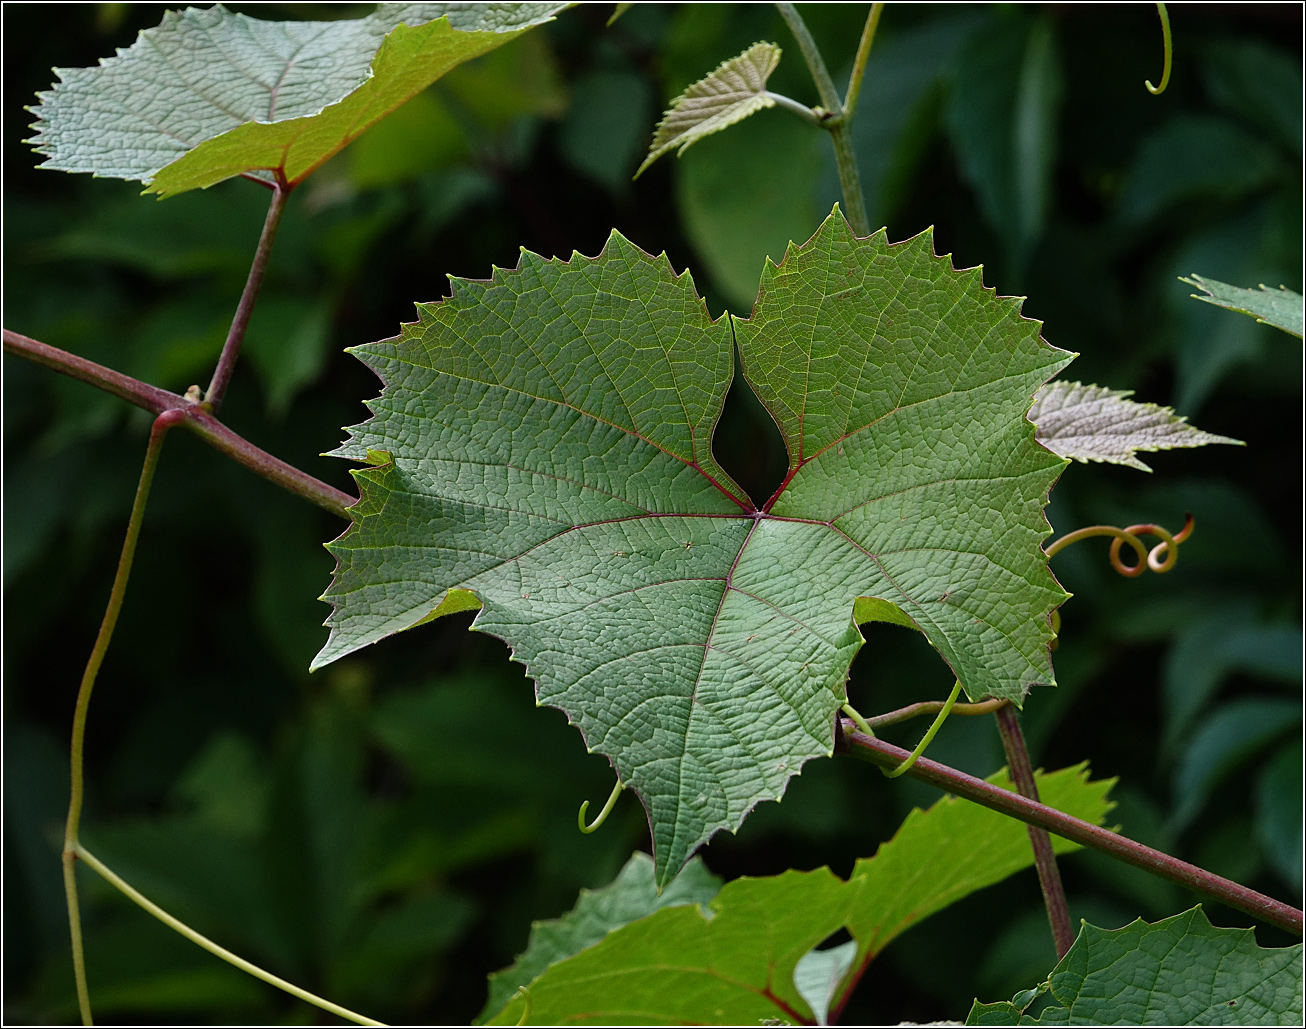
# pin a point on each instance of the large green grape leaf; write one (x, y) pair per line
(1178, 971)
(542, 448)
(208, 94)
(732, 961)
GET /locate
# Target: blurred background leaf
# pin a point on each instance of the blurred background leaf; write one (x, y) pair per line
(387, 831)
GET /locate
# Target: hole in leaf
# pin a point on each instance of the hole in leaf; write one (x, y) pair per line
(836, 939)
(747, 443)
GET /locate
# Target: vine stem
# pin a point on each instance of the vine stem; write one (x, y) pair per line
(162, 424)
(197, 418)
(836, 116)
(1045, 861)
(886, 755)
(245, 309)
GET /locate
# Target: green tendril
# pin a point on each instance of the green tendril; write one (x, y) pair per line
(935, 726)
(1169, 54)
(603, 815)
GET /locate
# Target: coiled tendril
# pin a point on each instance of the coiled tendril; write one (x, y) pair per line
(1160, 558)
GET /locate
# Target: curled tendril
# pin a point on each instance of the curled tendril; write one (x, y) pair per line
(1160, 558)
(603, 815)
(1169, 54)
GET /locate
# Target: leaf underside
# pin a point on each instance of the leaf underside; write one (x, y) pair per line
(1179, 971)
(1280, 307)
(1091, 423)
(732, 961)
(736, 89)
(208, 94)
(543, 441)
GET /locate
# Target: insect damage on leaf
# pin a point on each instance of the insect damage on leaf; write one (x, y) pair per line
(550, 431)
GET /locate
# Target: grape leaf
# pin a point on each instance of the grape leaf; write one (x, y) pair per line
(542, 448)
(632, 895)
(734, 962)
(1280, 307)
(1178, 971)
(208, 94)
(736, 89)
(1092, 423)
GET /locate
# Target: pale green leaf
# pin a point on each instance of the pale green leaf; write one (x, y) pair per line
(734, 960)
(818, 974)
(1092, 423)
(209, 94)
(632, 895)
(543, 441)
(1179, 971)
(730, 94)
(1280, 307)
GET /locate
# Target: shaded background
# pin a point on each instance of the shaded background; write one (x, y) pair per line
(385, 831)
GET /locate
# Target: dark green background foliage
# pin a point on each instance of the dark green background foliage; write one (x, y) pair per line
(384, 832)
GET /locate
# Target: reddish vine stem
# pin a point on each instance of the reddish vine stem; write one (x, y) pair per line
(886, 755)
(245, 309)
(1049, 875)
(117, 593)
(195, 417)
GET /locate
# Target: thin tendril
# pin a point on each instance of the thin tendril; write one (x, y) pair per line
(603, 815)
(935, 726)
(234, 959)
(1169, 55)
(117, 593)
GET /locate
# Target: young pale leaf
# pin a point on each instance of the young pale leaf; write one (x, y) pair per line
(543, 446)
(730, 94)
(632, 895)
(209, 94)
(1280, 307)
(736, 962)
(1092, 423)
(1179, 971)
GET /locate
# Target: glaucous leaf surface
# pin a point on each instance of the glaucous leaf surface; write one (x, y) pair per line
(542, 449)
(632, 895)
(733, 960)
(1280, 307)
(1093, 423)
(736, 89)
(209, 94)
(1179, 971)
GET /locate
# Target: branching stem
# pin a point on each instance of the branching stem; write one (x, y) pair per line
(836, 117)
(1045, 860)
(198, 938)
(240, 321)
(886, 755)
(195, 417)
(812, 55)
(162, 424)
